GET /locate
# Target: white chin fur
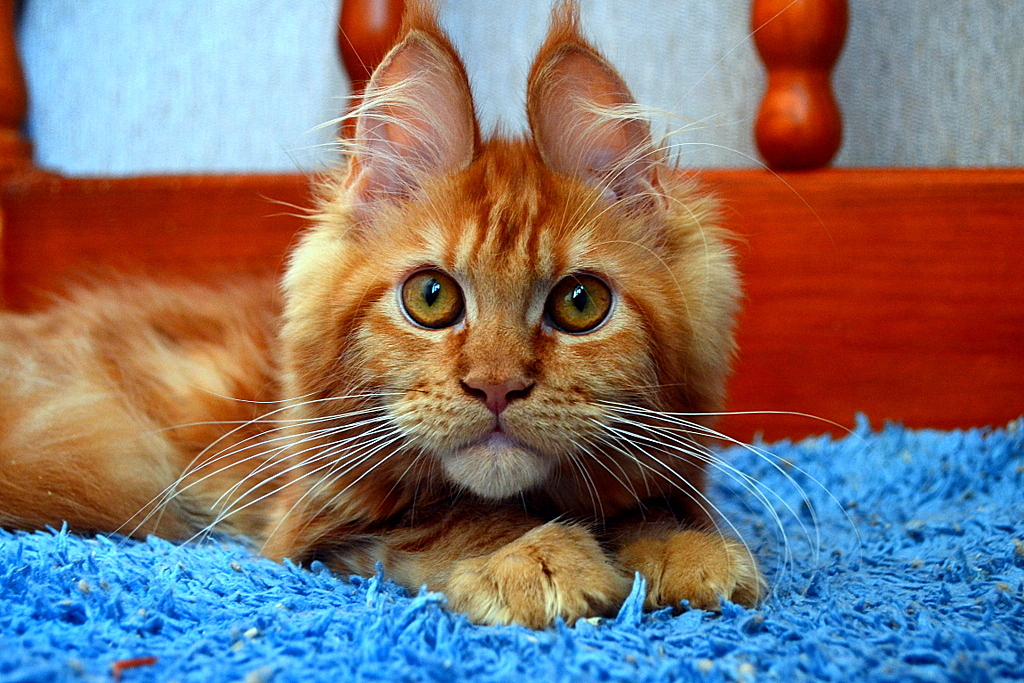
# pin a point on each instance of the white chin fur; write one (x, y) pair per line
(495, 468)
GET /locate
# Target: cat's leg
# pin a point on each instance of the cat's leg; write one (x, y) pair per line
(500, 566)
(553, 570)
(687, 564)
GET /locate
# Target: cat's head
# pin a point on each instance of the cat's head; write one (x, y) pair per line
(493, 300)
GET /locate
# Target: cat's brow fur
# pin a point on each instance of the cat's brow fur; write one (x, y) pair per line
(332, 428)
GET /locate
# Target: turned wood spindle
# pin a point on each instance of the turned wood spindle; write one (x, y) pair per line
(366, 31)
(15, 151)
(799, 125)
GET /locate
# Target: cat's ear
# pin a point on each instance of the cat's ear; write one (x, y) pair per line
(583, 118)
(415, 119)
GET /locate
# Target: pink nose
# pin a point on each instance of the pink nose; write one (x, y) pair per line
(497, 396)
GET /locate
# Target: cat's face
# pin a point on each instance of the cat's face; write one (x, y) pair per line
(495, 297)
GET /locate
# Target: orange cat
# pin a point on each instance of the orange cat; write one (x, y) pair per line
(475, 376)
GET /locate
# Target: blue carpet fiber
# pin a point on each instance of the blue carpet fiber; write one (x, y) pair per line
(894, 555)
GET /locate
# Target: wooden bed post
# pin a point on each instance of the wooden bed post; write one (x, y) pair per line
(366, 31)
(799, 125)
(15, 151)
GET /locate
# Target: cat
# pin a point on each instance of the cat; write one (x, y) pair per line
(471, 373)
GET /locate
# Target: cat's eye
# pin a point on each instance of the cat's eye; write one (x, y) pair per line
(579, 303)
(432, 299)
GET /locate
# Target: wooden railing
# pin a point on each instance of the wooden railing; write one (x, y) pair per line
(898, 293)
(15, 151)
(799, 125)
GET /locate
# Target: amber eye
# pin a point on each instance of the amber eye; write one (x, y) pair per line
(579, 303)
(432, 299)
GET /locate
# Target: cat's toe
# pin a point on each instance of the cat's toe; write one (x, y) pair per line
(551, 571)
(697, 567)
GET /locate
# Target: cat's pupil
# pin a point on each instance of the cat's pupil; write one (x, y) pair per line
(431, 290)
(579, 298)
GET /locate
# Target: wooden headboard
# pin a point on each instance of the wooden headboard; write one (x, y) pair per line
(894, 292)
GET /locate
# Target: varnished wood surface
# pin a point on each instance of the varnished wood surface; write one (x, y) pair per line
(58, 229)
(366, 30)
(799, 125)
(899, 294)
(15, 151)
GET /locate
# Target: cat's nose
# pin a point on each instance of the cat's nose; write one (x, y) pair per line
(497, 396)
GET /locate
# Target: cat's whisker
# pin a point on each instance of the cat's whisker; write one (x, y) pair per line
(736, 46)
(753, 487)
(175, 488)
(332, 477)
(767, 456)
(416, 461)
(613, 443)
(690, 430)
(662, 448)
(628, 437)
(595, 496)
(691, 427)
(317, 435)
(328, 452)
(624, 483)
(229, 506)
(233, 509)
(258, 440)
(214, 423)
(688, 446)
(292, 405)
(363, 441)
(159, 503)
(688, 449)
(763, 166)
(725, 413)
(680, 483)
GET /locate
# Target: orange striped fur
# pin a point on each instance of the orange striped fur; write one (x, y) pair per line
(501, 455)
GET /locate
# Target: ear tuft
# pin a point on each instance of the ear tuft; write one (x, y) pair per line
(584, 120)
(415, 118)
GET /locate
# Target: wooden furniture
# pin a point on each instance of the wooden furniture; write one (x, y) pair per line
(898, 293)
(799, 125)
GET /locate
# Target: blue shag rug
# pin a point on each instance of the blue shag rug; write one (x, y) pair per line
(894, 556)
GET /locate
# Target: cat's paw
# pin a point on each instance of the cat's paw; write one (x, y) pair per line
(694, 566)
(553, 570)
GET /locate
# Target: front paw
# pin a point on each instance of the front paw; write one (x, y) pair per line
(694, 566)
(551, 571)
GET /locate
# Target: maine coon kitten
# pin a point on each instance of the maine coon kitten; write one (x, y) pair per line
(466, 378)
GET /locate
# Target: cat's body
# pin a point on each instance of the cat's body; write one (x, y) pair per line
(464, 381)
(108, 397)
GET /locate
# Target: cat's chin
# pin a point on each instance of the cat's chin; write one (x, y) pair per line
(496, 467)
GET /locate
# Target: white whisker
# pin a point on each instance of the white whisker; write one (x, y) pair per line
(684, 485)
